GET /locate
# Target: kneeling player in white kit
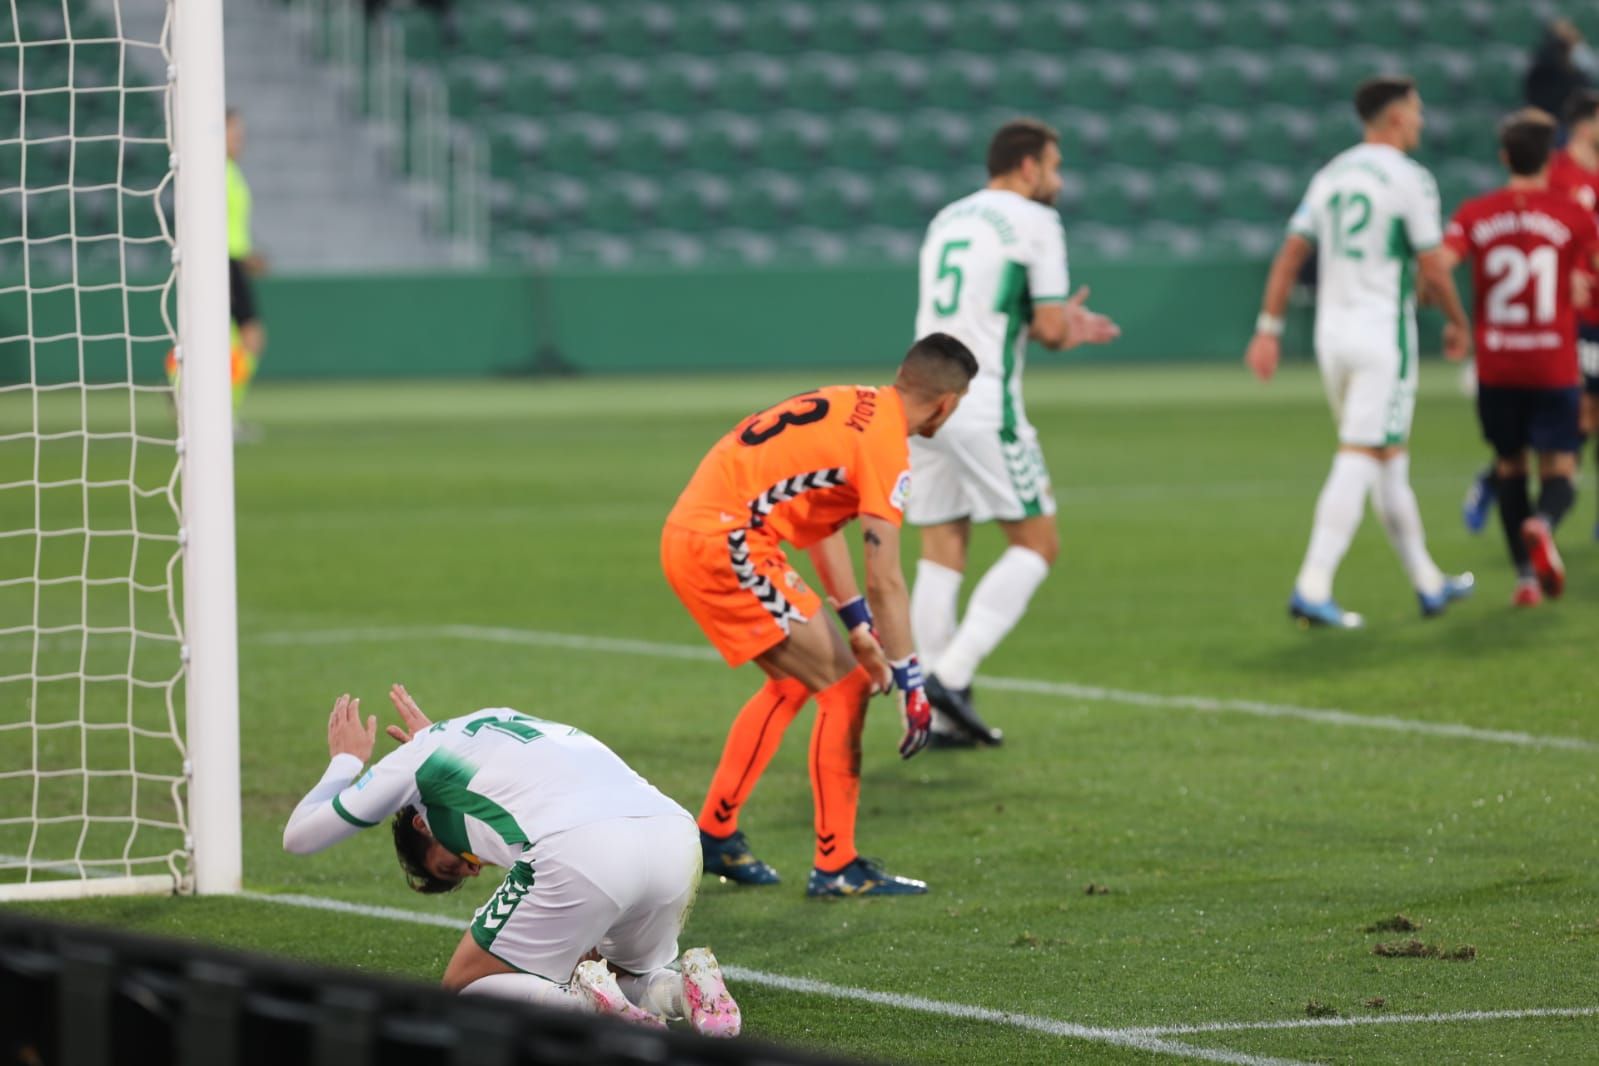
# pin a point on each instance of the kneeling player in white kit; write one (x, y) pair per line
(597, 860)
(1369, 213)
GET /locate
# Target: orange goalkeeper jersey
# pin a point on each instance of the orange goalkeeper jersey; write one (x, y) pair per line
(804, 468)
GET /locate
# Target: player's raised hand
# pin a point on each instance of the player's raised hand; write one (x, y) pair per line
(1085, 326)
(346, 734)
(412, 720)
(1457, 341)
(1263, 354)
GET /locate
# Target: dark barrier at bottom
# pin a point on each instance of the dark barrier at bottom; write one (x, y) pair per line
(87, 996)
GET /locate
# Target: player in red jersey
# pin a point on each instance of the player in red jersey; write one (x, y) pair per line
(1526, 242)
(1574, 170)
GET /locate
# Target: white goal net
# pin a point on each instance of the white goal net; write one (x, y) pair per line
(100, 515)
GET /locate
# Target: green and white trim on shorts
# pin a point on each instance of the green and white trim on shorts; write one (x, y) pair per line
(492, 918)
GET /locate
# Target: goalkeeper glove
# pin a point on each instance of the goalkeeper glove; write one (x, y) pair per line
(914, 709)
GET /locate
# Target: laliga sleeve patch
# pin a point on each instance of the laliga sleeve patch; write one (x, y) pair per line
(902, 491)
(364, 780)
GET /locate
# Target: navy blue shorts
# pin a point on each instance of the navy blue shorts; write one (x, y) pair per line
(1544, 420)
(1588, 356)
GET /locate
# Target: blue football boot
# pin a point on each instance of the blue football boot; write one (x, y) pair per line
(1326, 613)
(730, 858)
(1479, 501)
(1455, 588)
(863, 877)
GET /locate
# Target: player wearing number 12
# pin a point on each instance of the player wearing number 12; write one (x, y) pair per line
(1526, 242)
(1371, 215)
(797, 474)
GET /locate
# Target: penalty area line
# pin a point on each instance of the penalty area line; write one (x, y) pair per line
(1139, 1039)
(1062, 689)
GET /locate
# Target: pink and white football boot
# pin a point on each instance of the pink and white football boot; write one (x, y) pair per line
(711, 1009)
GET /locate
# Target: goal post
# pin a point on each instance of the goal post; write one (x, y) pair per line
(119, 740)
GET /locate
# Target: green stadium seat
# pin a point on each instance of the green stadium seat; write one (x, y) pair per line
(646, 29)
(1474, 134)
(822, 82)
(1084, 137)
(669, 249)
(1199, 24)
(725, 142)
(1324, 25)
(1304, 78)
(939, 139)
(476, 87)
(1189, 194)
(1145, 137)
(141, 216)
(611, 85)
(795, 140)
(809, 246)
(993, 26)
(780, 27)
(714, 28)
(625, 203)
(50, 213)
(498, 33)
(683, 84)
(1122, 27)
(655, 143)
(1245, 240)
(908, 199)
(743, 247)
(1057, 29)
(695, 200)
(1263, 194)
(1500, 72)
(1336, 130)
(920, 27)
(1445, 74)
(592, 250)
(545, 87)
(572, 28)
(95, 212)
(836, 199)
(1286, 136)
(1259, 26)
(517, 145)
(885, 244)
(961, 79)
(96, 164)
(1072, 190)
(1214, 136)
(584, 143)
(1460, 25)
(1030, 82)
(851, 28)
(1235, 78)
(1515, 26)
(419, 32)
(1168, 240)
(866, 140)
(752, 82)
(765, 200)
(1097, 80)
(893, 81)
(1461, 179)
(1116, 195)
(1102, 241)
(1166, 78)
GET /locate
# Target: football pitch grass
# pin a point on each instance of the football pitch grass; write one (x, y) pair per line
(1199, 816)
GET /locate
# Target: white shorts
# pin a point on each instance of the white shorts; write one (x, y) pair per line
(1372, 393)
(624, 886)
(982, 476)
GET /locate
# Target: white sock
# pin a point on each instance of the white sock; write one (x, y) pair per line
(1339, 509)
(933, 600)
(526, 988)
(997, 604)
(659, 992)
(1395, 503)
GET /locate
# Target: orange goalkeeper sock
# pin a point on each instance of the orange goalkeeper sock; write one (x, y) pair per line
(751, 743)
(836, 768)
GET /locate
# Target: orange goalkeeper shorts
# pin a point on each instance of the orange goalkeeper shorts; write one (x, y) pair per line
(739, 587)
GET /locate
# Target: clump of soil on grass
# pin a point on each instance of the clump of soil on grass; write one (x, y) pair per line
(1093, 889)
(1026, 940)
(1317, 1009)
(1376, 1003)
(1415, 949)
(1397, 924)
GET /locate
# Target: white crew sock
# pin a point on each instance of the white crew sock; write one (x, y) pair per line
(933, 600)
(1339, 509)
(997, 604)
(659, 992)
(1395, 503)
(526, 988)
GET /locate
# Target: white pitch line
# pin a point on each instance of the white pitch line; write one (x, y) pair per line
(1374, 1019)
(1139, 1039)
(1064, 689)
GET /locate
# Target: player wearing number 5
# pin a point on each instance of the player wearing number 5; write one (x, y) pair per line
(797, 474)
(993, 273)
(1526, 242)
(1371, 215)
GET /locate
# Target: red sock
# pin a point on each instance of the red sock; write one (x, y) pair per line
(751, 743)
(836, 768)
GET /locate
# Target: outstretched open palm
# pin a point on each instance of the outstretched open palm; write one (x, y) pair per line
(412, 720)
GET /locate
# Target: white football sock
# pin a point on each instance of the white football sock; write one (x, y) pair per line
(933, 600)
(659, 992)
(997, 604)
(526, 988)
(1339, 508)
(1395, 503)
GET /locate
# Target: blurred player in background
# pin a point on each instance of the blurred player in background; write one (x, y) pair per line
(600, 867)
(1526, 242)
(993, 273)
(1368, 214)
(796, 474)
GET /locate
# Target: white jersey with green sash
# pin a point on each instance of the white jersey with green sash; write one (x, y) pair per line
(490, 784)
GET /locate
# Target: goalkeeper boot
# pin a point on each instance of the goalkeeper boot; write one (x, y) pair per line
(959, 710)
(711, 1009)
(1479, 501)
(1455, 588)
(731, 859)
(862, 877)
(596, 985)
(1327, 614)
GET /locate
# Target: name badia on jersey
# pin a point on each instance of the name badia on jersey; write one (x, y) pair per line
(986, 260)
(1524, 245)
(802, 470)
(488, 784)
